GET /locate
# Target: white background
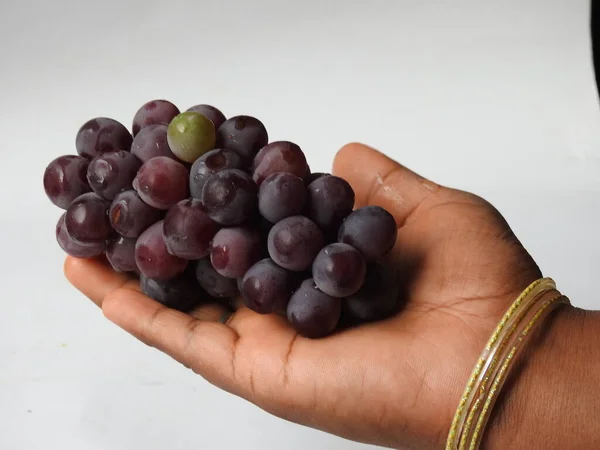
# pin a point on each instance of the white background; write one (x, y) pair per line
(495, 97)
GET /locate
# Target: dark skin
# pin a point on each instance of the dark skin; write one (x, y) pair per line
(394, 383)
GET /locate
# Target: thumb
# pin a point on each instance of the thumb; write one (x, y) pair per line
(379, 180)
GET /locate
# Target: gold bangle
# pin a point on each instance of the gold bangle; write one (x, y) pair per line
(495, 362)
(545, 308)
(494, 352)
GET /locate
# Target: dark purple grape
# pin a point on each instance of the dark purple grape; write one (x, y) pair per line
(213, 283)
(152, 257)
(153, 112)
(161, 182)
(313, 313)
(339, 270)
(129, 215)
(182, 293)
(314, 176)
(378, 297)
(234, 250)
(87, 218)
(281, 195)
(112, 172)
(230, 197)
(188, 230)
(65, 179)
(266, 287)
(73, 247)
(210, 112)
(151, 142)
(280, 156)
(330, 200)
(371, 230)
(102, 135)
(294, 242)
(209, 164)
(244, 134)
(120, 253)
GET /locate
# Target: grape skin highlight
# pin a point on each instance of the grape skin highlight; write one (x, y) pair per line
(371, 230)
(339, 270)
(112, 172)
(152, 257)
(129, 215)
(73, 247)
(234, 250)
(266, 287)
(161, 182)
(188, 231)
(65, 179)
(313, 313)
(154, 112)
(86, 219)
(102, 135)
(151, 142)
(230, 197)
(294, 242)
(245, 135)
(281, 195)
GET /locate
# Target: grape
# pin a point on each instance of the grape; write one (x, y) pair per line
(181, 293)
(129, 215)
(281, 195)
(213, 283)
(64, 179)
(209, 164)
(87, 218)
(280, 156)
(294, 242)
(266, 287)
(378, 297)
(339, 270)
(314, 176)
(234, 250)
(188, 230)
(120, 253)
(73, 247)
(112, 172)
(230, 197)
(190, 135)
(245, 135)
(210, 112)
(152, 257)
(102, 135)
(330, 200)
(153, 112)
(161, 182)
(313, 313)
(371, 230)
(151, 142)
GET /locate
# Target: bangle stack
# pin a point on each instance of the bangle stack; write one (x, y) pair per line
(496, 360)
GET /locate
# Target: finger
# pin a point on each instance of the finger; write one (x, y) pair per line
(379, 180)
(205, 346)
(96, 279)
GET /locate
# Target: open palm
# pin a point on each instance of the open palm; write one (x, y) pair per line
(394, 383)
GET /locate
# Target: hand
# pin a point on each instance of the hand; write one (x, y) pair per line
(393, 383)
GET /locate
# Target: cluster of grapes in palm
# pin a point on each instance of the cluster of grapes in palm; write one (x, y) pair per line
(202, 207)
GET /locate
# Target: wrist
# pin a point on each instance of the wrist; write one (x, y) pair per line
(550, 400)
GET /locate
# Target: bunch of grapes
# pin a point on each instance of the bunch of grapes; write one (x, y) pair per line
(204, 208)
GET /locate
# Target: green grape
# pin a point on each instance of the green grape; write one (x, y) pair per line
(191, 135)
